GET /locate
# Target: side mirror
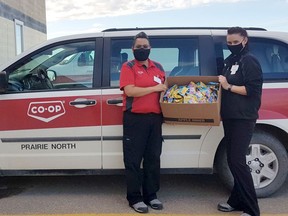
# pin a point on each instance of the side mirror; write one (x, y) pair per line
(3, 81)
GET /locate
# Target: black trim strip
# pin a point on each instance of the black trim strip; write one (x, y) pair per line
(92, 138)
(50, 139)
(165, 137)
(11, 13)
(75, 172)
(174, 137)
(110, 138)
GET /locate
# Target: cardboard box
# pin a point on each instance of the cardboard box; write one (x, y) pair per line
(192, 114)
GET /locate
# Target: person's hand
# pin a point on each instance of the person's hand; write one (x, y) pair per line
(160, 88)
(223, 82)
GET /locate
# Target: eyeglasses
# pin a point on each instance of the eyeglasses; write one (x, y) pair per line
(142, 46)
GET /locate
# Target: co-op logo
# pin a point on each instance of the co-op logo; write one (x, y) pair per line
(46, 111)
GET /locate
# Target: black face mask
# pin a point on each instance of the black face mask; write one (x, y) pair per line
(235, 49)
(141, 54)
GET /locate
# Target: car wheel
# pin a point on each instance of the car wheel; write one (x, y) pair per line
(268, 162)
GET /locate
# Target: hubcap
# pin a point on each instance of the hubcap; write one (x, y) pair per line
(263, 165)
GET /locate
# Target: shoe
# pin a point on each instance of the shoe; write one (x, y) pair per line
(140, 207)
(225, 207)
(245, 214)
(155, 204)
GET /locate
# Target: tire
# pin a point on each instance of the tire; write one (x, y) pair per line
(268, 162)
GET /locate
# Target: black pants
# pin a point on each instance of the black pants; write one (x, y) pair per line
(142, 140)
(238, 134)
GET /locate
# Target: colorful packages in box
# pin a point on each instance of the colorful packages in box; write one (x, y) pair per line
(192, 93)
(192, 100)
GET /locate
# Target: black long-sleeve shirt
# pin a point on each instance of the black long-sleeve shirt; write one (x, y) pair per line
(249, 74)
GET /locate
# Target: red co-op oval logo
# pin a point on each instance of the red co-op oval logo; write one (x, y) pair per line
(46, 111)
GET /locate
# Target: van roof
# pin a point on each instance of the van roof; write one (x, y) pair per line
(171, 28)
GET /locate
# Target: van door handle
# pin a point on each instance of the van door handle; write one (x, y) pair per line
(116, 101)
(82, 102)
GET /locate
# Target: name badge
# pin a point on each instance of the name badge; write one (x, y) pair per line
(234, 68)
(157, 80)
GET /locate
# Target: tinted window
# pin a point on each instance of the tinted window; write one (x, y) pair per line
(272, 55)
(178, 56)
(66, 66)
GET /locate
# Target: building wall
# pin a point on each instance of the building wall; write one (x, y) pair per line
(32, 13)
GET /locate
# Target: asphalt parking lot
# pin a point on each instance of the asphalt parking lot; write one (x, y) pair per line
(105, 195)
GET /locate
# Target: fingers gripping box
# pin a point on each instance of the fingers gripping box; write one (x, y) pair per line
(191, 113)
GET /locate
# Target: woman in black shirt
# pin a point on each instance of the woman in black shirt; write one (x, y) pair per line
(241, 98)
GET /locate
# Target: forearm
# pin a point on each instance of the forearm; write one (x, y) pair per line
(133, 91)
(238, 89)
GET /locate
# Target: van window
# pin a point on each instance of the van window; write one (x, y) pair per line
(271, 54)
(178, 56)
(273, 57)
(65, 66)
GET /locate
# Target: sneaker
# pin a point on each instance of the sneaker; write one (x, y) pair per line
(225, 207)
(140, 207)
(245, 214)
(155, 204)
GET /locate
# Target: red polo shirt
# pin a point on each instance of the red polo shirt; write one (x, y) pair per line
(134, 73)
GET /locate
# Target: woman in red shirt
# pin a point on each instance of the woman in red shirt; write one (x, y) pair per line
(141, 81)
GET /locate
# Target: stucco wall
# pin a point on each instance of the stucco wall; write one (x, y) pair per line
(33, 15)
(32, 8)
